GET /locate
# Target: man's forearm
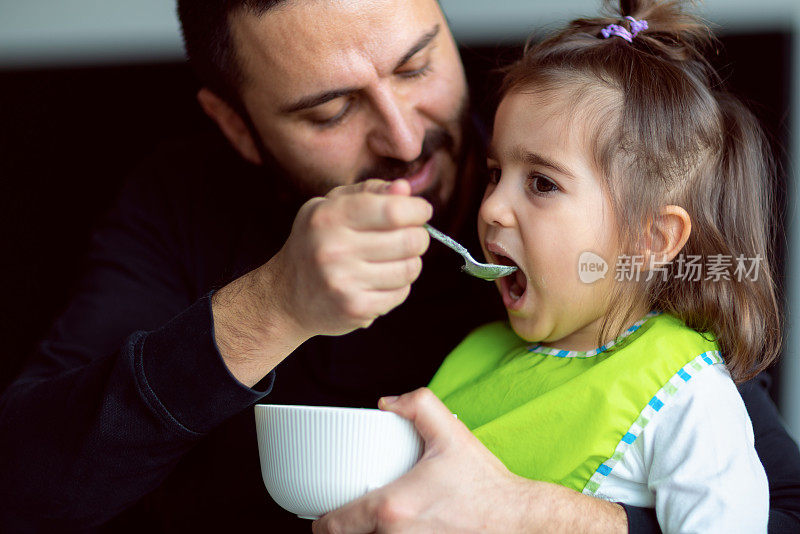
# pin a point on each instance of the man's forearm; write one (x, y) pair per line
(252, 331)
(561, 509)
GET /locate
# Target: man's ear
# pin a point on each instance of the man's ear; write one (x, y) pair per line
(231, 125)
(666, 235)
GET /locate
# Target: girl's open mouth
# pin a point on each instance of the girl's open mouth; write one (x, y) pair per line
(514, 286)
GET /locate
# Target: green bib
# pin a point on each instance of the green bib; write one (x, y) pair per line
(562, 416)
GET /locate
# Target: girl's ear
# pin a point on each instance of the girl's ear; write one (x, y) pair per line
(231, 124)
(666, 235)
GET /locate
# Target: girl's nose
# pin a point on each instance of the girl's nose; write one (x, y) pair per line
(496, 209)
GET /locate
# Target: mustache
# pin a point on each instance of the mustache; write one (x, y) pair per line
(390, 168)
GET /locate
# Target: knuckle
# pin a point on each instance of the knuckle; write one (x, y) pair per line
(398, 297)
(329, 253)
(415, 242)
(393, 214)
(320, 256)
(424, 240)
(357, 310)
(321, 217)
(413, 268)
(392, 511)
(428, 211)
(337, 191)
(350, 203)
(416, 264)
(422, 395)
(331, 527)
(336, 286)
(405, 293)
(421, 209)
(374, 184)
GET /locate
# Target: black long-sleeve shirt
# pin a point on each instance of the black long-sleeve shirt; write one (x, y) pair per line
(127, 418)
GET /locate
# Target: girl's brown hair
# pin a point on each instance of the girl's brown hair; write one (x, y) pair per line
(667, 132)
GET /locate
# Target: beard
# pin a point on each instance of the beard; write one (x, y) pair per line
(436, 140)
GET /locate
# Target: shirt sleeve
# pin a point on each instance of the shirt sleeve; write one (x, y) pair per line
(701, 463)
(779, 455)
(126, 382)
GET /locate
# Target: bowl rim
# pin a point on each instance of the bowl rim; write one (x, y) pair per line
(303, 407)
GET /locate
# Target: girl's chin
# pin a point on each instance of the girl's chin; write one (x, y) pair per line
(526, 327)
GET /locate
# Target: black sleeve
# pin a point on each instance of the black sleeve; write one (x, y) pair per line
(778, 454)
(126, 382)
(641, 520)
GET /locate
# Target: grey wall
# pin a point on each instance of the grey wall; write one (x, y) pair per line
(91, 31)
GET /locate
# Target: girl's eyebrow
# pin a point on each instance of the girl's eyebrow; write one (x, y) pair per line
(520, 155)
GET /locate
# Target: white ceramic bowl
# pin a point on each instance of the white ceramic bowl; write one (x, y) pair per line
(315, 459)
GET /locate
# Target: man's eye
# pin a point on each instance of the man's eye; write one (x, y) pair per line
(335, 119)
(416, 67)
(494, 176)
(541, 184)
(415, 73)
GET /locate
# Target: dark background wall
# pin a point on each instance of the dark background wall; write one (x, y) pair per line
(69, 136)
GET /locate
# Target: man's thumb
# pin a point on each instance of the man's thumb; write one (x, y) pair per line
(429, 415)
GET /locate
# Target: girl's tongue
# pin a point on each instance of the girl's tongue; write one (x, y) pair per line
(513, 286)
(517, 285)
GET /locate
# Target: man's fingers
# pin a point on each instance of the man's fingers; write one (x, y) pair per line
(392, 245)
(384, 212)
(388, 300)
(372, 304)
(369, 186)
(399, 187)
(375, 205)
(388, 276)
(430, 416)
(357, 517)
(373, 185)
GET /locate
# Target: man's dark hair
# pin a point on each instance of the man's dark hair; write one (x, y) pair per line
(209, 42)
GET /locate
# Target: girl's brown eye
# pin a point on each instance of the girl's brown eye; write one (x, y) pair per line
(542, 185)
(494, 176)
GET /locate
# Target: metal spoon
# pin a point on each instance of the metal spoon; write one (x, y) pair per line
(486, 271)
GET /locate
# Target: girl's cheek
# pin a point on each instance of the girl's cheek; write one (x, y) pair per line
(481, 230)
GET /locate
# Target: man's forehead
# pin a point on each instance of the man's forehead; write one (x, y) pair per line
(312, 43)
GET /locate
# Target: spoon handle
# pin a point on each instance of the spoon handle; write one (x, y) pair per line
(447, 240)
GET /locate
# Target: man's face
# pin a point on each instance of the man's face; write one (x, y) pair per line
(341, 91)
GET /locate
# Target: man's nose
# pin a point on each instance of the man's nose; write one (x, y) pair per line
(496, 208)
(397, 132)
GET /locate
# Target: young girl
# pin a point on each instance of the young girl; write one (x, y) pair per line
(633, 193)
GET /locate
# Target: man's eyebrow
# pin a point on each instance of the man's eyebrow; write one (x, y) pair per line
(315, 100)
(424, 41)
(520, 155)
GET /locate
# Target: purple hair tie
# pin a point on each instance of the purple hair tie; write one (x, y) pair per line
(619, 31)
